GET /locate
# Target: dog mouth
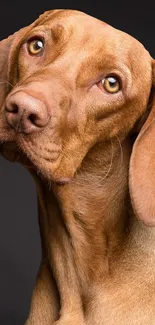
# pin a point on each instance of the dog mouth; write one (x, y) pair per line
(13, 153)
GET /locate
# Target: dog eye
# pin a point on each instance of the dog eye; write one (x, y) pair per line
(35, 46)
(111, 84)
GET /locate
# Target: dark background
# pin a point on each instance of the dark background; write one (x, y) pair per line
(19, 233)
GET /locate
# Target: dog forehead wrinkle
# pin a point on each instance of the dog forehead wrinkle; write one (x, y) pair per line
(71, 20)
(58, 21)
(58, 32)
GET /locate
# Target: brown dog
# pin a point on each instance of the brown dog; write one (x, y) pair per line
(74, 91)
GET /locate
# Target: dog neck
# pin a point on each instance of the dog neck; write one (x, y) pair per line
(85, 224)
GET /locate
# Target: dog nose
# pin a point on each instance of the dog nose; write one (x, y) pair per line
(25, 113)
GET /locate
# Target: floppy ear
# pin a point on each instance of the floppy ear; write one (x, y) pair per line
(142, 168)
(4, 58)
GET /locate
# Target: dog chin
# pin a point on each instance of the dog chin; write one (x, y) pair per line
(63, 181)
(46, 172)
(12, 153)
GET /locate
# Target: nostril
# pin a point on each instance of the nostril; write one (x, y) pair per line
(32, 118)
(37, 119)
(12, 109)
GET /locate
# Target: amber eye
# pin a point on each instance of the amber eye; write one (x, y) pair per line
(111, 84)
(35, 46)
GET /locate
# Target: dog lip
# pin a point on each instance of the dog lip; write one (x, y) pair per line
(9, 151)
(63, 181)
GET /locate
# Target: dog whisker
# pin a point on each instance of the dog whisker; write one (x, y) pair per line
(6, 82)
(121, 151)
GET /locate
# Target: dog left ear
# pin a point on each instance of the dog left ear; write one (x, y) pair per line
(142, 166)
(6, 47)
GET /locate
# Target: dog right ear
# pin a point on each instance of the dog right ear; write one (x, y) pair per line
(142, 166)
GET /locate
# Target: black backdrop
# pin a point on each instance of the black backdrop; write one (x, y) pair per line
(19, 235)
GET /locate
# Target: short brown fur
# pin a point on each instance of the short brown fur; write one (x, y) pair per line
(98, 259)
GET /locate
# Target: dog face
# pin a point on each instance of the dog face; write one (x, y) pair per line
(72, 81)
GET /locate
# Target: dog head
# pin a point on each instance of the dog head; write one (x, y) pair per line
(69, 81)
